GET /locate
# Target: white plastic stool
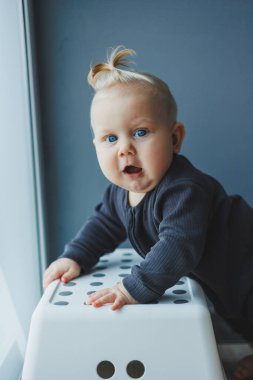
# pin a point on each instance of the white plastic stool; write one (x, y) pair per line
(172, 339)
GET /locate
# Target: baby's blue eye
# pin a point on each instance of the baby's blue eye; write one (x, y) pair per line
(111, 138)
(140, 133)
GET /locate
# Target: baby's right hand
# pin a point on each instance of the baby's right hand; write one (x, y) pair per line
(64, 269)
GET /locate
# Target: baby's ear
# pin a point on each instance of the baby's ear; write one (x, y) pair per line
(174, 139)
(94, 140)
(178, 134)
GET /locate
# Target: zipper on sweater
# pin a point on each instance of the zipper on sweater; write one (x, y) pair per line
(132, 236)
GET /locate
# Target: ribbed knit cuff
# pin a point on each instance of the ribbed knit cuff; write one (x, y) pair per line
(138, 291)
(76, 257)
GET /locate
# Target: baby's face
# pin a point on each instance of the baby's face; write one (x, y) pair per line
(133, 141)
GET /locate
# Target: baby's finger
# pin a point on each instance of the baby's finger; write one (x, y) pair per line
(118, 303)
(47, 273)
(51, 275)
(47, 279)
(69, 275)
(107, 298)
(95, 296)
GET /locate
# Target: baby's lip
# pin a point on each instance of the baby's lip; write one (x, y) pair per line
(132, 169)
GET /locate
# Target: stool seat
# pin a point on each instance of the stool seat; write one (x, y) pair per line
(170, 339)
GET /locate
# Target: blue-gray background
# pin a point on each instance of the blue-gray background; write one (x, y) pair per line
(202, 49)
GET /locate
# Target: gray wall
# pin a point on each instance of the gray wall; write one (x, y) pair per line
(202, 49)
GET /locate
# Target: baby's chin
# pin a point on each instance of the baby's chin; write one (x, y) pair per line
(140, 185)
(139, 188)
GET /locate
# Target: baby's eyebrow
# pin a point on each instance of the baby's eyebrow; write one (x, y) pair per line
(106, 132)
(141, 121)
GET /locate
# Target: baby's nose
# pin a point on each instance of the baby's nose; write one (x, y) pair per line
(126, 148)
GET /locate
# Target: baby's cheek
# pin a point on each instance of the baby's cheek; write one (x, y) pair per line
(159, 165)
(106, 164)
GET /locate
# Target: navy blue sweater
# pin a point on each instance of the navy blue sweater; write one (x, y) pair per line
(187, 225)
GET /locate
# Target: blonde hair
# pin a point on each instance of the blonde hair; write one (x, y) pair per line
(118, 69)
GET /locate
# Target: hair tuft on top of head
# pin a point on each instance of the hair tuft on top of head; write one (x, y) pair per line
(116, 58)
(117, 69)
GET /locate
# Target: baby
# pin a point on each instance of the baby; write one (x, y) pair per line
(180, 220)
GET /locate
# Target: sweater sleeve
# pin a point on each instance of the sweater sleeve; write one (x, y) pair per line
(101, 234)
(184, 215)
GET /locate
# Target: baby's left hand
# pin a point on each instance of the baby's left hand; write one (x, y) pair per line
(117, 295)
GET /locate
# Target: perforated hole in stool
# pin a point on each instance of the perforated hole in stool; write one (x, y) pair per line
(181, 301)
(105, 369)
(135, 369)
(71, 283)
(65, 293)
(98, 275)
(179, 291)
(61, 303)
(127, 254)
(96, 283)
(100, 267)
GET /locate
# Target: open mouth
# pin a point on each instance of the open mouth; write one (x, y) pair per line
(130, 169)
